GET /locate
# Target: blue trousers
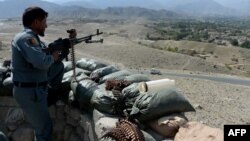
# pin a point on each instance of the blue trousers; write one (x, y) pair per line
(33, 101)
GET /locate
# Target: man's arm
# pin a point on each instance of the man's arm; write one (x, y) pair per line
(32, 52)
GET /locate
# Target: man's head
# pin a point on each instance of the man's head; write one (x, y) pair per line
(35, 18)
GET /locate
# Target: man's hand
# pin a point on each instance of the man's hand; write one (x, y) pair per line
(55, 55)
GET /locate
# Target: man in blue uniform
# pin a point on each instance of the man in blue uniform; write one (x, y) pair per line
(32, 71)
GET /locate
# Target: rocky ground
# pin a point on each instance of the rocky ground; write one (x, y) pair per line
(216, 103)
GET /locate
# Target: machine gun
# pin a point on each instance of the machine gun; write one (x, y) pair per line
(64, 45)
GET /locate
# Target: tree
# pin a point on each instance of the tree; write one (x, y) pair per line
(246, 44)
(234, 42)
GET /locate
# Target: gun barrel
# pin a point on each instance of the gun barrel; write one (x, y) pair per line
(95, 41)
(88, 39)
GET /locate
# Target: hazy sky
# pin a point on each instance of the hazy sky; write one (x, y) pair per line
(223, 2)
(59, 0)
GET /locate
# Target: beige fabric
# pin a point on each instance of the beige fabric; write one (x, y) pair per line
(168, 126)
(195, 131)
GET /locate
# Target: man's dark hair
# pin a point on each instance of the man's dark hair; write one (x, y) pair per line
(32, 13)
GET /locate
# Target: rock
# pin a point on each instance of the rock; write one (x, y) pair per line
(24, 133)
(74, 137)
(197, 106)
(72, 121)
(58, 130)
(14, 118)
(87, 125)
(80, 132)
(74, 113)
(52, 111)
(67, 132)
(60, 110)
(103, 125)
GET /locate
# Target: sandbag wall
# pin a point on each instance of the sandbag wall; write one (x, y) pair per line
(88, 107)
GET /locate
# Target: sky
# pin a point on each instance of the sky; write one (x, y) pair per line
(52, 0)
(59, 0)
(82, 0)
(223, 2)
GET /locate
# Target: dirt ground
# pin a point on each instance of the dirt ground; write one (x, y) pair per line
(216, 103)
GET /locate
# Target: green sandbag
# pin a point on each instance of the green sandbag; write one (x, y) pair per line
(6, 88)
(131, 91)
(102, 101)
(3, 74)
(98, 73)
(152, 105)
(67, 66)
(89, 64)
(135, 78)
(119, 75)
(130, 94)
(68, 77)
(83, 92)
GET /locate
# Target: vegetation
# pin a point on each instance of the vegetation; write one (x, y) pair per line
(1, 45)
(248, 73)
(246, 44)
(174, 49)
(218, 31)
(228, 66)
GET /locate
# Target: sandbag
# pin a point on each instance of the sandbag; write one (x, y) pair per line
(147, 136)
(83, 92)
(168, 126)
(89, 64)
(102, 86)
(98, 73)
(130, 94)
(6, 63)
(102, 101)
(66, 85)
(82, 86)
(131, 91)
(2, 136)
(6, 88)
(152, 105)
(135, 78)
(195, 131)
(68, 75)
(119, 75)
(67, 66)
(154, 134)
(3, 74)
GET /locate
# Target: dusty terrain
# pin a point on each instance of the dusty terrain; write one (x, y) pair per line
(216, 103)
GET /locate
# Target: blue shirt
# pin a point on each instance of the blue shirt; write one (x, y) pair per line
(29, 62)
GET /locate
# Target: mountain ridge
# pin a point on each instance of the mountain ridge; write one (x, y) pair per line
(193, 8)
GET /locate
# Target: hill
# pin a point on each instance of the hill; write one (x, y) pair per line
(145, 8)
(15, 8)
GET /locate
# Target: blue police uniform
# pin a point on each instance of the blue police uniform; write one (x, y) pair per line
(30, 67)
